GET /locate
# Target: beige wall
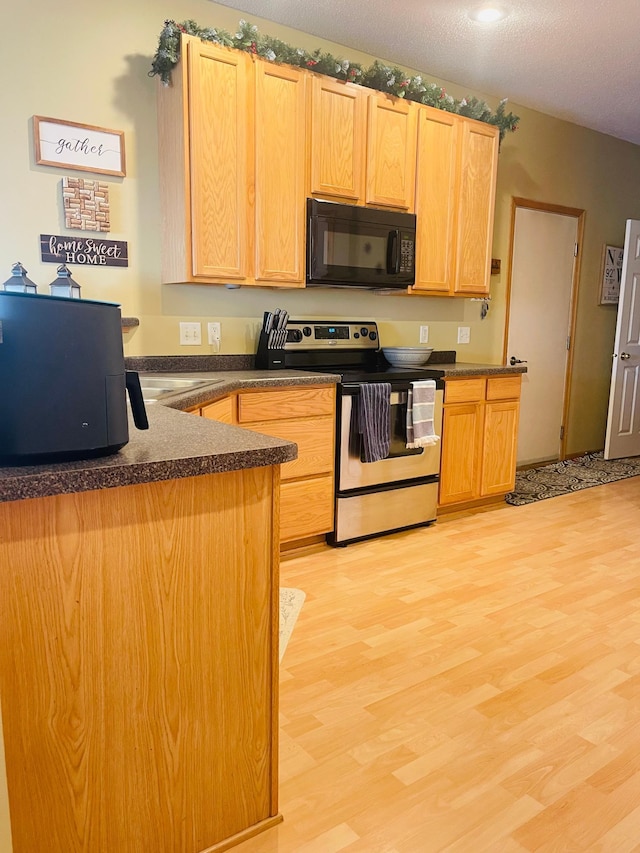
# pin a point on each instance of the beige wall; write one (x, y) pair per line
(90, 66)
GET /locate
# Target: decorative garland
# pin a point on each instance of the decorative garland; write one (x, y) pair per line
(383, 78)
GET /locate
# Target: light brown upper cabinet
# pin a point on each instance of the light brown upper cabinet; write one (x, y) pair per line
(391, 152)
(280, 174)
(338, 139)
(436, 198)
(243, 142)
(363, 145)
(476, 202)
(455, 196)
(232, 166)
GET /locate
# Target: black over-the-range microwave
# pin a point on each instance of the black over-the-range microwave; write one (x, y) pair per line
(349, 246)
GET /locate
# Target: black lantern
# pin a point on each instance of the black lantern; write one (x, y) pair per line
(64, 285)
(19, 283)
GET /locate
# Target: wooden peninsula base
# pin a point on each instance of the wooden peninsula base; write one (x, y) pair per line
(139, 665)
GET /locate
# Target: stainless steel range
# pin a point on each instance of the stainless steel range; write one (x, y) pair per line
(398, 491)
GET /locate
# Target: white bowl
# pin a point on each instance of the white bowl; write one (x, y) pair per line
(407, 356)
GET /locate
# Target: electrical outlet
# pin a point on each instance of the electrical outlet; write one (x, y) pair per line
(424, 334)
(190, 334)
(464, 334)
(213, 335)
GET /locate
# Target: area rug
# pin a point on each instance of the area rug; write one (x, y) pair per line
(560, 478)
(291, 601)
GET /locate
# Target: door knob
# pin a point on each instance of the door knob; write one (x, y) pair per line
(624, 356)
(513, 360)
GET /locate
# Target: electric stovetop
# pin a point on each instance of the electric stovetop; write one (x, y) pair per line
(349, 348)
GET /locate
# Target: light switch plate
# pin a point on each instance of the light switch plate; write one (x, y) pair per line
(190, 334)
(424, 334)
(464, 334)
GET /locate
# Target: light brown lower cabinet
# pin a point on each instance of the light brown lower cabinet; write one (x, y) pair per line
(139, 665)
(220, 410)
(479, 439)
(306, 416)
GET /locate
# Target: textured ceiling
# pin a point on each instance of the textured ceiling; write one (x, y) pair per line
(576, 61)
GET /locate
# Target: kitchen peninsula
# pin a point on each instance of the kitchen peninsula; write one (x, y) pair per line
(139, 642)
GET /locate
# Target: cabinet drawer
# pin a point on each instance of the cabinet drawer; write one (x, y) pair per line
(221, 410)
(285, 404)
(504, 387)
(314, 438)
(464, 390)
(306, 508)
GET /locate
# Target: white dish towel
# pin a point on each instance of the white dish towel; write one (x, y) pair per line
(420, 407)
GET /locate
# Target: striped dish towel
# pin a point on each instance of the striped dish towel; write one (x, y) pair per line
(374, 420)
(420, 406)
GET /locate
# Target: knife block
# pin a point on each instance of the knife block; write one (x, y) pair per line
(268, 358)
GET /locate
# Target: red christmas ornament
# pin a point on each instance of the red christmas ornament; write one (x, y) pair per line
(311, 63)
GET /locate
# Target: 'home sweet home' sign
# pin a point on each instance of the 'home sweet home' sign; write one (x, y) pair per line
(92, 252)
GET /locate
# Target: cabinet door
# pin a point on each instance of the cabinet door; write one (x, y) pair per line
(221, 410)
(479, 162)
(220, 128)
(391, 152)
(283, 403)
(436, 196)
(306, 508)
(337, 139)
(500, 445)
(315, 439)
(462, 428)
(280, 173)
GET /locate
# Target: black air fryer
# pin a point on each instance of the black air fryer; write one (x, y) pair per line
(62, 380)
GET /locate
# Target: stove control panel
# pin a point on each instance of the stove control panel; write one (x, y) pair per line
(324, 334)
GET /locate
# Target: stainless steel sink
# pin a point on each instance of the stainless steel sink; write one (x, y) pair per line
(157, 387)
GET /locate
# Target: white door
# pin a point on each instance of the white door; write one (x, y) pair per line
(543, 258)
(623, 420)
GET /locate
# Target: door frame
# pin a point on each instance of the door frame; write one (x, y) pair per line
(578, 214)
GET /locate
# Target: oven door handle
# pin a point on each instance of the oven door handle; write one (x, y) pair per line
(398, 393)
(353, 388)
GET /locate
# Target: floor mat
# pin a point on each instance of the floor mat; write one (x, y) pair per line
(291, 601)
(560, 478)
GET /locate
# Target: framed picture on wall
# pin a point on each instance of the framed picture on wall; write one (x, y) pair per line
(611, 275)
(85, 147)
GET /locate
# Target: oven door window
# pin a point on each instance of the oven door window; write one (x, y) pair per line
(398, 424)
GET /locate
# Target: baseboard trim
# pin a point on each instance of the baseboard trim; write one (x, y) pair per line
(239, 837)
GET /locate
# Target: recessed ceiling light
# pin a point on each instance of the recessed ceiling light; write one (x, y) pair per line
(488, 14)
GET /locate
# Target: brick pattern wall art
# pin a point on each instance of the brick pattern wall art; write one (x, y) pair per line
(86, 204)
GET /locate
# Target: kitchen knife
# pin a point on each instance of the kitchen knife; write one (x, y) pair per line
(267, 322)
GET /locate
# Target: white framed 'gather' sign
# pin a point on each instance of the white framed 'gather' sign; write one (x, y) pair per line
(70, 145)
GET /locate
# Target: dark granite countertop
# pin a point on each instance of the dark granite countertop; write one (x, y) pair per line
(235, 380)
(176, 444)
(461, 368)
(180, 445)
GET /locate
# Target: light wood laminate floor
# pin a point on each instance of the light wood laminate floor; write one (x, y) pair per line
(472, 686)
